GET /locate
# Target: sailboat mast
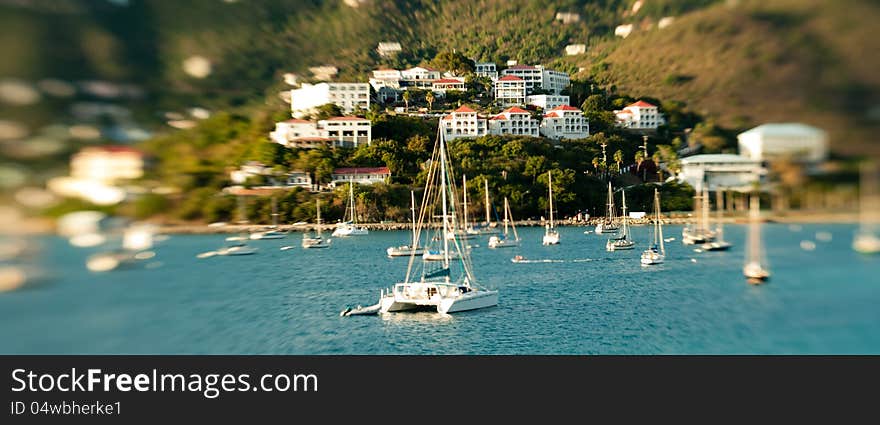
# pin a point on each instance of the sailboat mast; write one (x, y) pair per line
(351, 201)
(754, 230)
(412, 196)
(506, 215)
(464, 189)
(623, 199)
(443, 196)
(706, 209)
(486, 186)
(318, 221)
(550, 185)
(659, 231)
(719, 206)
(610, 205)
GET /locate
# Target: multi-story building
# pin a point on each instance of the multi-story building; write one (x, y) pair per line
(463, 122)
(532, 75)
(554, 81)
(360, 175)
(788, 141)
(348, 96)
(547, 101)
(640, 116)
(333, 132)
(721, 172)
(514, 121)
(565, 122)
(486, 69)
(510, 90)
(388, 48)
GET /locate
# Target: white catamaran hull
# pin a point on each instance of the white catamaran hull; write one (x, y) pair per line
(471, 300)
(404, 251)
(350, 231)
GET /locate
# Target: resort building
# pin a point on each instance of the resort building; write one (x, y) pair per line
(463, 122)
(514, 121)
(348, 96)
(721, 171)
(443, 85)
(360, 175)
(532, 75)
(299, 178)
(565, 122)
(332, 132)
(510, 90)
(486, 69)
(547, 101)
(640, 115)
(790, 141)
(554, 81)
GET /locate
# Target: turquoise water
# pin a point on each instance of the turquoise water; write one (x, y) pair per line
(594, 302)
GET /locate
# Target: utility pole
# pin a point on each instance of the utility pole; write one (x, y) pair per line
(645, 147)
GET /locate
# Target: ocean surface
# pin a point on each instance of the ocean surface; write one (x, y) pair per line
(585, 301)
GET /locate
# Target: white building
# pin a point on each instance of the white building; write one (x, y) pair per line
(360, 175)
(565, 122)
(98, 173)
(623, 30)
(510, 90)
(388, 48)
(514, 121)
(443, 85)
(299, 178)
(486, 69)
(463, 122)
(554, 81)
(348, 96)
(547, 101)
(795, 141)
(333, 132)
(575, 49)
(419, 77)
(721, 171)
(640, 115)
(532, 75)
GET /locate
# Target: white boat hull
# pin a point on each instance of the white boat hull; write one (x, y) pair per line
(867, 244)
(438, 256)
(496, 242)
(605, 229)
(309, 243)
(650, 258)
(237, 250)
(619, 245)
(404, 251)
(350, 231)
(550, 239)
(716, 246)
(472, 300)
(267, 236)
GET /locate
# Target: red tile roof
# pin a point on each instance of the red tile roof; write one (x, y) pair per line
(448, 81)
(516, 110)
(498, 118)
(510, 78)
(362, 170)
(642, 104)
(624, 112)
(447, 117)
(565, 108)
(551, 115)
(464, 108)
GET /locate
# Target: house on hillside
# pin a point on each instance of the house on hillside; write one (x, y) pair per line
(514, 121)
(345, 131)
(565, 122)
(641, 116)
(360, 175)
(510, 90)
(463, 122)
(348, 96)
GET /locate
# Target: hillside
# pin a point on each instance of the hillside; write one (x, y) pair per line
(743, 63)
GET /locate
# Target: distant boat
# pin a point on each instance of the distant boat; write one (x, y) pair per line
(867, 240)
(622, 242)
(136, 245)
(463, 230)
(656, 253)
(754, 269)
(237, 247)
(316, 241)
(350, 228)
(490, 228)
(503, 240)
(551, 235)
(699, 233)
(413, 248)
(273, 232)
(608, 224)
(719, 244)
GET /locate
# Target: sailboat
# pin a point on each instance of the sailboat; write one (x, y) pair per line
(489, 228)
(607, 224)
(503, 240)
(551, 235)
(350, 228)
(623, 241)
(754, 271)
(316, 241)
(700, 232)
(412, 248)
(435, 287)
(464, 230)
(867, 240)
(272, 232)
(719, 244)
(656, 253)
(237, 246)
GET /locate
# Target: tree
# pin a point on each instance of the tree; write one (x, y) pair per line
(454, 62)
(328, 110)
(429, 97)
(406, 96)
(640, 157)
(618, 158)
(596, 162)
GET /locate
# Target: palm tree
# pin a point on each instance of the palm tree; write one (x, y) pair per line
(430, 99)
(640, 157)
(406, 96)
(596, 162)
(618, 158)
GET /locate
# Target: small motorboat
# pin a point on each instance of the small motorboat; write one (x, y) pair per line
(360, 311)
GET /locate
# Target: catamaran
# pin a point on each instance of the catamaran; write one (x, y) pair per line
(412, 248)
(503, 240)
(623, 241)
(656, 253)
(608, 224)
(432, 285)
(350, 227)
(719, 244)
(867, 240)
(316, 241)
(551, 235)
(754, 271)
(272, 232)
